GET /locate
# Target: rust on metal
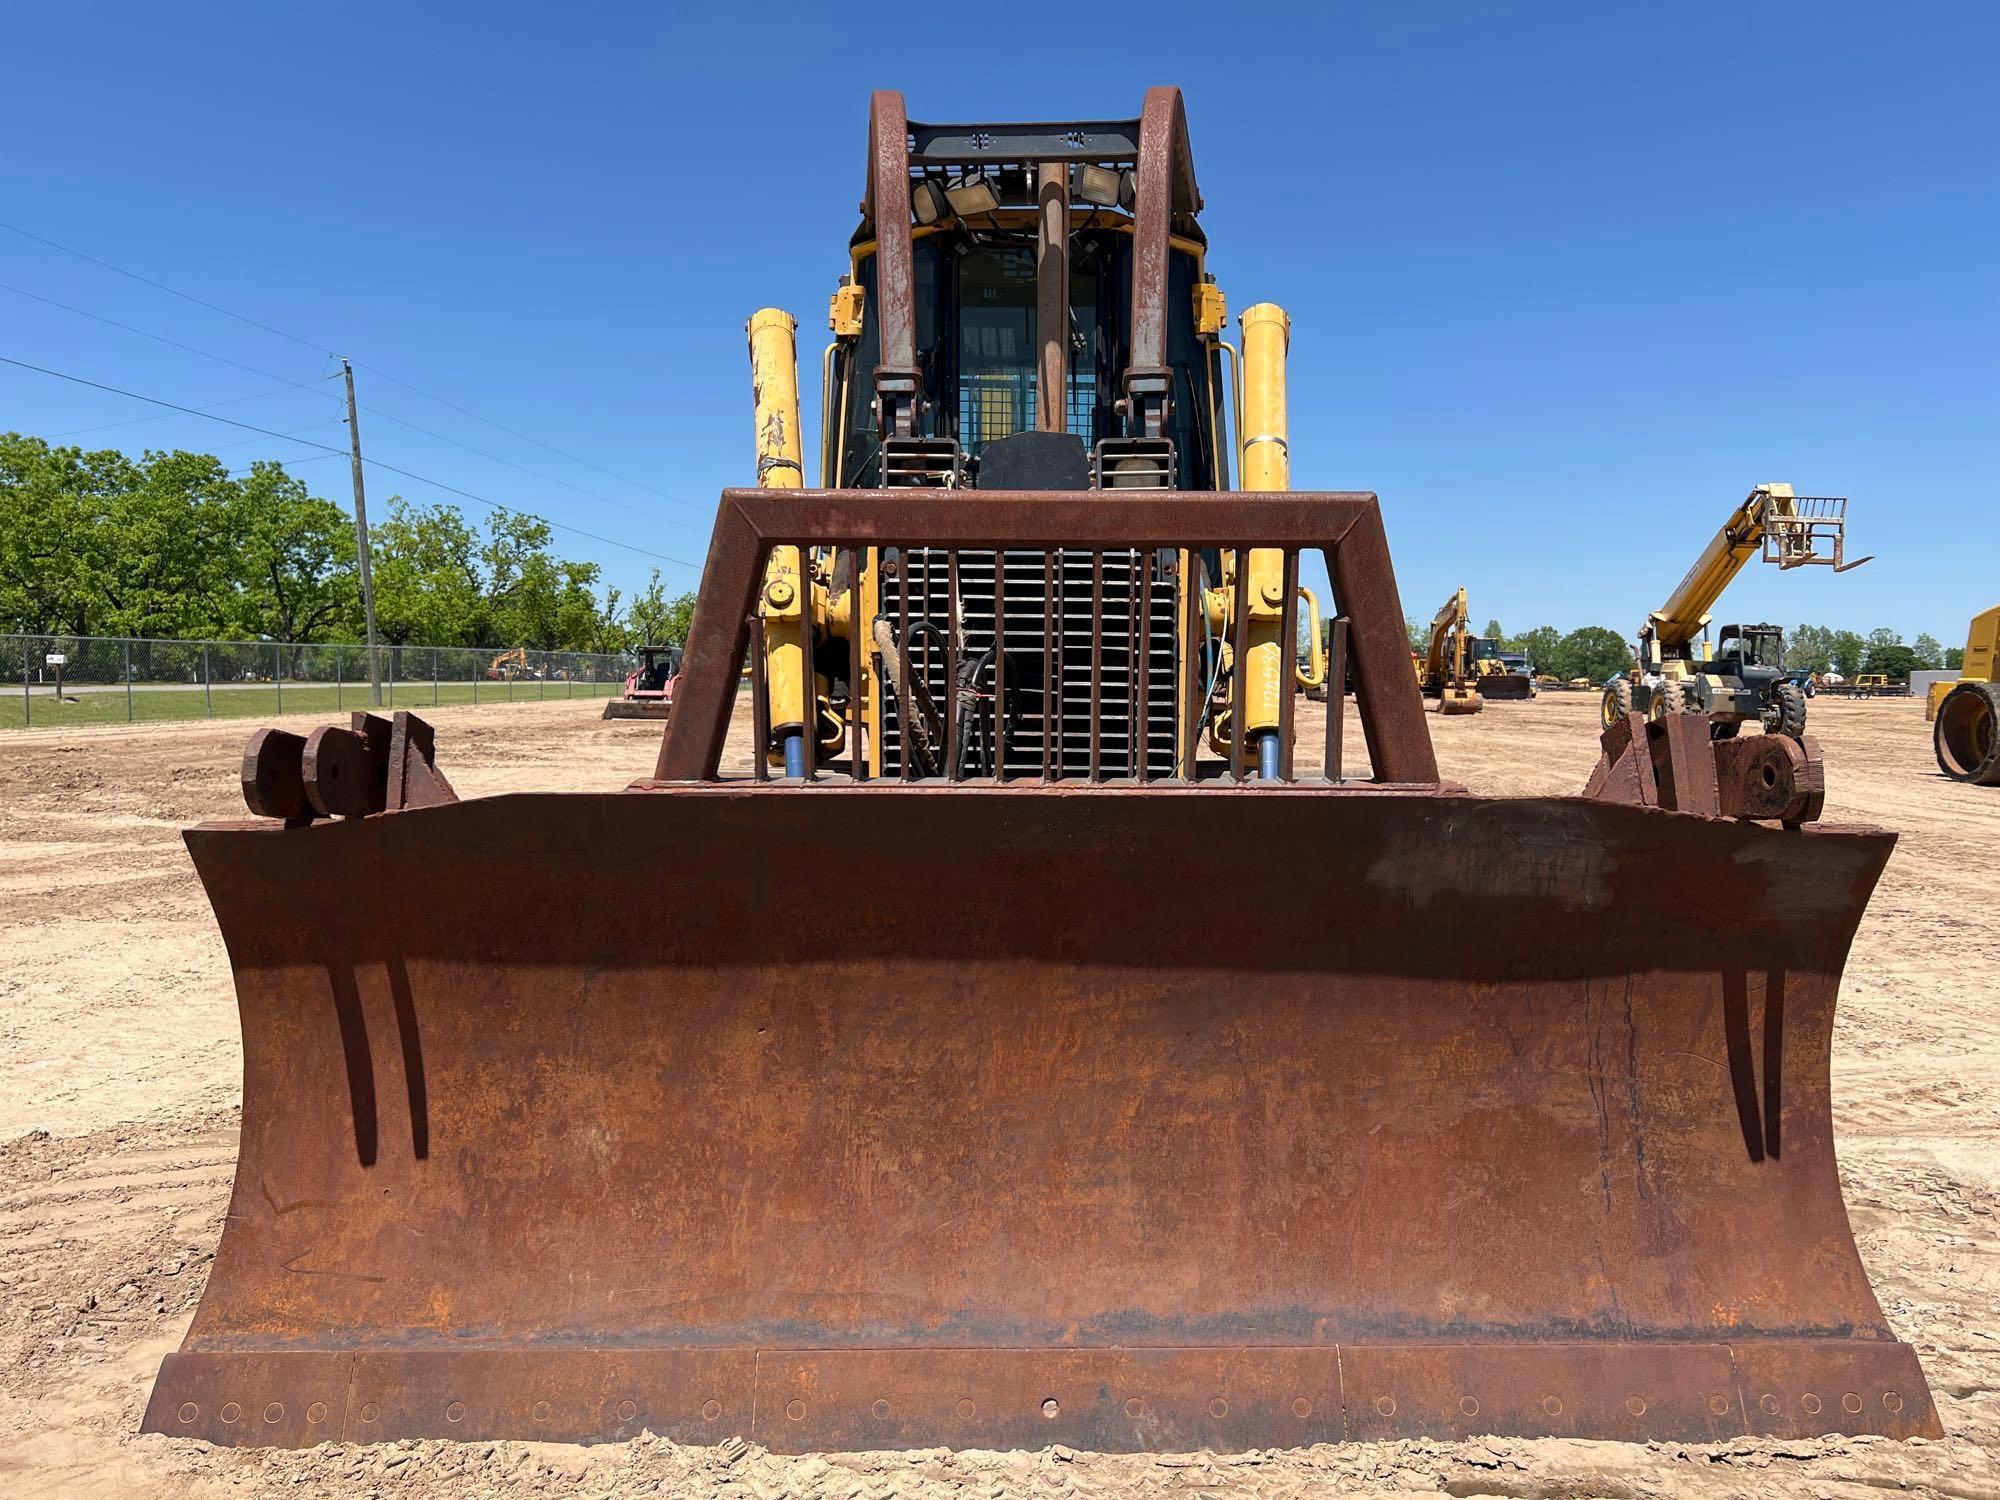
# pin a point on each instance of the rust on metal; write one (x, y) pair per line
(898, 383)
(1336, 699)
(1674, 763)
(1346, 526)
(1416, 1114)
(273, 776)
(1083, 1154)
(1772, 776)
(1165, 194)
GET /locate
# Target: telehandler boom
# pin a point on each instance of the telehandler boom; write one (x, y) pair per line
(1055, 1039)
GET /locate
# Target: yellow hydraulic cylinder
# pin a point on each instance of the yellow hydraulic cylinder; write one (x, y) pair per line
(786, 605)
(1266, 465)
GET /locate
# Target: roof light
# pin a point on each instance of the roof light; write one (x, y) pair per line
(1097, 185)
(971, 194)
(927, 202)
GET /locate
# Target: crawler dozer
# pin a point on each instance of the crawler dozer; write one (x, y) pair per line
(1060, 1035)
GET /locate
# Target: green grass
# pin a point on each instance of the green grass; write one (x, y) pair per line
(156, 703)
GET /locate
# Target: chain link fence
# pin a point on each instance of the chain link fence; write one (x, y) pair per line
(48, 680)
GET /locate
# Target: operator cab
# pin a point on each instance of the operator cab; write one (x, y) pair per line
(1033, 251)
(1748, 653)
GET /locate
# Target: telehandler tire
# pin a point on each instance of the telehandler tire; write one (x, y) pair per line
(1617, 701)
(1786, 712)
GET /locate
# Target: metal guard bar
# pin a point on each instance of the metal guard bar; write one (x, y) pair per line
(1347, 527)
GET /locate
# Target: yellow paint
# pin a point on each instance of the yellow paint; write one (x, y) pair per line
(787, 602)
(1266, 466)
(1313, 674)
(1211, 309)
(845, 310)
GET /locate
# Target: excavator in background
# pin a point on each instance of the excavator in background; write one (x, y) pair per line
(1445, 671)
(1036, 1046)
(1744, 679)
(1965, 715)
(508, 665)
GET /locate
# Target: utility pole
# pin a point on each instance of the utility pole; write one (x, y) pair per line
(361, 537)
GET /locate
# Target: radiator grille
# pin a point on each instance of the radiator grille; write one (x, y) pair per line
(922, 573)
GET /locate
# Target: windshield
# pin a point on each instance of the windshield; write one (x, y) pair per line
(976, 348)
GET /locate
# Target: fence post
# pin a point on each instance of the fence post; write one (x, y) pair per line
(339, 681)
(543, 680)
(207, 683)
(475, 680)
(278, 673)
(392, 677)
(569, 677)
(434, 677)
(27, 689)
(128, 682)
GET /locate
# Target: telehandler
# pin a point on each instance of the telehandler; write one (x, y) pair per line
(1051, 1041)
(1744, 679)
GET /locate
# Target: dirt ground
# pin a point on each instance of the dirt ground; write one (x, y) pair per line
(118, 1092)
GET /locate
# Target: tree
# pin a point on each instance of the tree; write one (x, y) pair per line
(533, 597)
(1420, 635)
(1496, 634)
(1930, 655)
(1894, 660)
(1540, 646)
(1593, 651)
(1809, 648)
(1847, 651)
(428, 587)
(656, 620)
(295, 560)
(1954, 658)
(54, 503)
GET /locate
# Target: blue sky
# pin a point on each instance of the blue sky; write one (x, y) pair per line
(1565, 280)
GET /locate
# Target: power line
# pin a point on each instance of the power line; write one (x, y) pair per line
(374, 462)
(162, 286)
(290, 463)
(211, 406)
(550, 478)
(373, 370)
(163, 339)
(467, 411)
(305, 385)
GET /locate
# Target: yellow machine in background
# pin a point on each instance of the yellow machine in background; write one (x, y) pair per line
(1744, 679)
(1965, 715)
(1446, 672)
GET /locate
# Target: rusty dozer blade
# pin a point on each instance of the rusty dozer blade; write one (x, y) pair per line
(1506, 686)
(848, 1114)
(658, 709)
